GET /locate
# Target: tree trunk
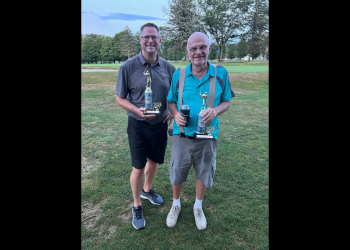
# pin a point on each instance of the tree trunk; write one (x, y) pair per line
(266, 50)
(249, 55)
(187, 60)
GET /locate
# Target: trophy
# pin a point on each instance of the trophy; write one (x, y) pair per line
(201, 131)
(152, 108)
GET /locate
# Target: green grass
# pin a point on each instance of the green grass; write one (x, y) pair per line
(232, 67)
(236, 207)
(101, 66)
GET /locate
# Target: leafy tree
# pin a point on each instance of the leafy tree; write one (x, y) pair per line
(99, 40)
(165, 49)
(256, 21)
(242, 48)
(183, 21)
(92, 35)
(138, 46)
(231, 50)
(89, 50)
(213, 55)
(177, 54)
(127, 43)
(116, 55)
(223, 19)
(106, 52)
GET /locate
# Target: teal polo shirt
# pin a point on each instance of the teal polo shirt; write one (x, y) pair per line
(193, 87)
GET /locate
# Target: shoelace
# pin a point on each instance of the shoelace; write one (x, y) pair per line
(199, 213)
(172, 215)
(152, 193)
(138, 213)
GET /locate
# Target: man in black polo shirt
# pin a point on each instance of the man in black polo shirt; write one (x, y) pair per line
(147, 134)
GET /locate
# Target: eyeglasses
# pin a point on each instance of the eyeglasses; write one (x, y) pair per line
(201, 48)
(146, 38)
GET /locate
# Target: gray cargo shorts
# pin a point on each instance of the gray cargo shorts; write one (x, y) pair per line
(201, 153)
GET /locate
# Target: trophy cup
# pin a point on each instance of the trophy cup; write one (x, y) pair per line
(151, 108)
(201, 131)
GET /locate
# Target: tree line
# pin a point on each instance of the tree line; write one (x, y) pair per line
(226, 21)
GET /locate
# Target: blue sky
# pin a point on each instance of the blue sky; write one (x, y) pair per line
(109, 17)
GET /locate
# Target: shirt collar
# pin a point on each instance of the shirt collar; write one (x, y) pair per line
(211, 69)
(144, 62)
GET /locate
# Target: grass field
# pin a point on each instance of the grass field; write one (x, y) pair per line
(236, 207)
(232, 67)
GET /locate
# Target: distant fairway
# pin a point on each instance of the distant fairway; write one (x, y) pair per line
(246, 69)
(232, 67)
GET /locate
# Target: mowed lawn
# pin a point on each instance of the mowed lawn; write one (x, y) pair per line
(232, 67)
(236, 207)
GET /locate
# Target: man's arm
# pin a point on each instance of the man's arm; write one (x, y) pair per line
(210, 113)
(127, 105)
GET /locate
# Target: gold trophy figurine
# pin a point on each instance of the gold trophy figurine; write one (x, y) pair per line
(205, 104)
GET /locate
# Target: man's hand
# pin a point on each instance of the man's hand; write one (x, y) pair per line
(208, 115)
(180, 120)
(145, 116)
(168, 118)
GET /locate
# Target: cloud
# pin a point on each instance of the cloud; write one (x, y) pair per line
(127, 17)
(84, 12)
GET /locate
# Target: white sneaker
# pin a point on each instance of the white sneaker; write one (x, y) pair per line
(172, 216)
(201, 221)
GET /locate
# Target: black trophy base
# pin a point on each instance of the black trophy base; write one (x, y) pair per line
(203, 136)
(151, 112)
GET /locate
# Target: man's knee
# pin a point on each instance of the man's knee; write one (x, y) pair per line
(152, 163)
(137, 172)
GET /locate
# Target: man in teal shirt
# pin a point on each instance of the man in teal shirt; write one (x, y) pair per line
(185, 149)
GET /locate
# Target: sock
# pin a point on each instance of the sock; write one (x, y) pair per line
(176, 202)
(198, 204)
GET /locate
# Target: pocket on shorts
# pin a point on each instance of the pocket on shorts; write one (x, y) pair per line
(213, 169)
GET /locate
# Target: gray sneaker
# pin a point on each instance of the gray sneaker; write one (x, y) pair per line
(201, 221)
(137, 217)
(172, 216)
(152, 196)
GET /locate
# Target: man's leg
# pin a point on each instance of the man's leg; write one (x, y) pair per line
(148, 192)
(136, 182)
(150, 173)
(176, 207)
(177, 191)
(200, 189)
(201, 221)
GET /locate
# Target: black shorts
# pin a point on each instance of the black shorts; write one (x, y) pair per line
(146, 141)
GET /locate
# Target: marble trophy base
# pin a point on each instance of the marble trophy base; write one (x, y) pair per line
(151, 111)
(203, 136)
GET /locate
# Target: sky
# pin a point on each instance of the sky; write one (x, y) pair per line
(108, 17)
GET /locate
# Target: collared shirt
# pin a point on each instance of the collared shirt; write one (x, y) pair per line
(193, 87)
(131, 84)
